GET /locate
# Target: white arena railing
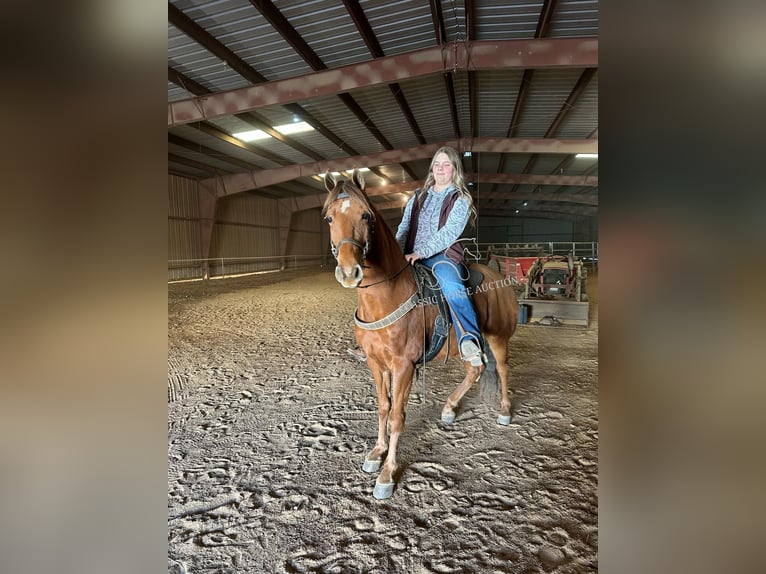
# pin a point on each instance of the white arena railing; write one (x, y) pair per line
(219, 267)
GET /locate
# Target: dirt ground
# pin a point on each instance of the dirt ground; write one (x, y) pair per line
(269, 420)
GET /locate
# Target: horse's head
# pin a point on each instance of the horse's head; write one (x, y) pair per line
(351, 219)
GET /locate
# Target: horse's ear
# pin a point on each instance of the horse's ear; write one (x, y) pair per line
(358, 179)
(329, 181)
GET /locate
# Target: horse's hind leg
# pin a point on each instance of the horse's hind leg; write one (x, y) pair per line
(472, 374)
(499, 346)
(374, 458)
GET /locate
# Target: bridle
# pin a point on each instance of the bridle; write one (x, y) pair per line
(400, 311)
(369, 217)
(364, 247)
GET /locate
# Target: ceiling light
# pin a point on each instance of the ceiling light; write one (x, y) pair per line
(294, 128)
(526, 203)
(348, 171)
(586, 155)
(285, 129)
(252, 135)
(517, 211)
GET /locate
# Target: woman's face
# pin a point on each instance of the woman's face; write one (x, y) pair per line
(443, 169)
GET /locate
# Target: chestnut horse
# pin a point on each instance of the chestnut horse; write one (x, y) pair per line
(393, 321)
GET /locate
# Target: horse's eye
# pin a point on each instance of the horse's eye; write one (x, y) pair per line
(366, 216)
(328, 219)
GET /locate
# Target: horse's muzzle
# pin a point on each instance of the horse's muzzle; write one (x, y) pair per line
(349, 277)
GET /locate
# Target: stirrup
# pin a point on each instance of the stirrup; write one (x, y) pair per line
(471, 352)
(359, 355)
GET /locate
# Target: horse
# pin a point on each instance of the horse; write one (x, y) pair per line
(370, 260)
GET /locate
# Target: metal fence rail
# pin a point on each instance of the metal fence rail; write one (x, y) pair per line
(585, 250)
(185, 269)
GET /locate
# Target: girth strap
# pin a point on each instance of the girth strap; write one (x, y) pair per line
(389, 319)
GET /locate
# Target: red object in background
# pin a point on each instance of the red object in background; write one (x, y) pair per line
(516, 267)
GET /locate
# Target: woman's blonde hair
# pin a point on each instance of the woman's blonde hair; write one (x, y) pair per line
(458, 178)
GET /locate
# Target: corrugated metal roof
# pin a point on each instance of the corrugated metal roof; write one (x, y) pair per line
(399, 27)
(545, 163)
(574, 18)
(216, 162)
(386, 21)
(579, 166)
(337, 117)
(326, 26)
(497, 91)
(500, 20)
(382, 109)
(193, 60)
(548, 91)
(430, 105)
(233, 125)
(515, 163)
(195, 136)
(453, 12)
(579, 121)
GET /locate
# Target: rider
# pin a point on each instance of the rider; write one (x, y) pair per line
(434, 218)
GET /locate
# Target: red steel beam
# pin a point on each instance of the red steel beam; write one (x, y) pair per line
(237, 183)
(537, 179)
(590, 200)
(533, 179)
(316, 200)
(552, 212)
(479, 55)
(562, 197)
(586, 200)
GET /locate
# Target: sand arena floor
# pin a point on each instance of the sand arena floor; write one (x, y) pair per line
(269, 420)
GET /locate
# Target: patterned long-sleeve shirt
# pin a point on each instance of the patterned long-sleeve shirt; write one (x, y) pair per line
(429, 239)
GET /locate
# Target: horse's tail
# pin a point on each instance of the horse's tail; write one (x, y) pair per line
(489, 382)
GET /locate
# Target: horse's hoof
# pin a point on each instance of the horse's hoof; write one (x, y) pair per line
(383, 491)
(448, 418)
(371, 466)
(504, 420)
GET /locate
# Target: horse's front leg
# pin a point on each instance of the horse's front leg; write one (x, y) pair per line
(401, 383)
(374, 458)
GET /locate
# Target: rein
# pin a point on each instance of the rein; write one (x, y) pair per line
(384, 280)
(393, 317)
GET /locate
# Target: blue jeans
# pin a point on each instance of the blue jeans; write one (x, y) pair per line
(450, 276)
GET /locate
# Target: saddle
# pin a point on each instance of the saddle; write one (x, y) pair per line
(429, 292)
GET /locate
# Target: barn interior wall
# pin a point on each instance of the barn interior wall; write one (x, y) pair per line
(246, 234)
(184, 243)
(306, 241)
(529, 230)
(586, 230)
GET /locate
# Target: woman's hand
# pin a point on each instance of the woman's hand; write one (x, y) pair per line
(412, 257)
